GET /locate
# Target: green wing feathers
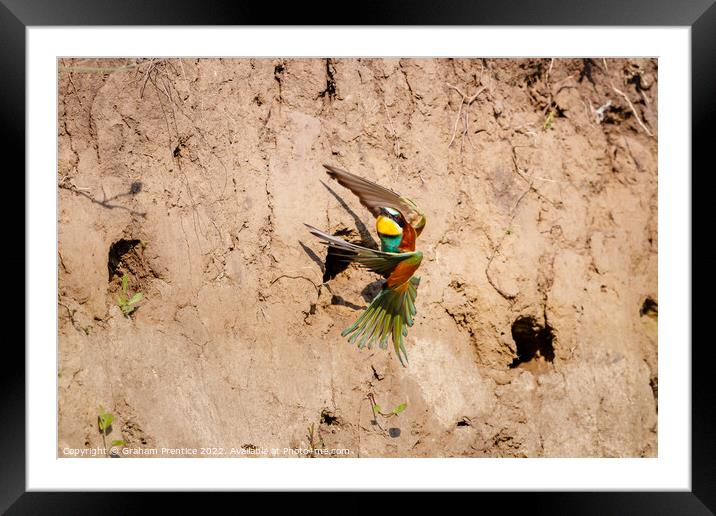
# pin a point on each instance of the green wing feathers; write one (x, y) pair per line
(391, 313)
(377, 261)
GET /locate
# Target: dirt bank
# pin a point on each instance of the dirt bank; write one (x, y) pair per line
(536, 326)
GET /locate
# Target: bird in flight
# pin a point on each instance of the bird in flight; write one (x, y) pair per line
(399, 222)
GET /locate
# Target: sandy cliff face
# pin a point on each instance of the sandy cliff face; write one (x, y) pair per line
(536, 326)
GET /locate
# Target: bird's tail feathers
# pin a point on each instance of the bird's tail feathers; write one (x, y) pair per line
(390, 314)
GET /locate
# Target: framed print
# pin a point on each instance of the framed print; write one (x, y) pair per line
(436, 243)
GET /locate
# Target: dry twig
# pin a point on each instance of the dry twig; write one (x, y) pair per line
(396, 145)
(633, 110)
(466, 101)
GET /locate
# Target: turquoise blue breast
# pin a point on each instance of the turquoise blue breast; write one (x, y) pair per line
(389, 244)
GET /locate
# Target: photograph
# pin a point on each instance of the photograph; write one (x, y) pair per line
(357, 257)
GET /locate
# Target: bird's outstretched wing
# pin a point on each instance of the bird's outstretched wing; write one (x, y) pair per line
(374, 197)
(397, 268)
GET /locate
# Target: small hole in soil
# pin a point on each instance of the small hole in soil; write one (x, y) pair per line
(333, 265)
(532, 340)
(376, 374)
(330, 81)
(116, 251)
(649, 307)
(464, 422)
(328, 418)
(394, 432)
(616, 115)
(336, 264)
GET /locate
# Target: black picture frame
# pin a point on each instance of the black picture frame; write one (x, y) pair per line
(17, 15)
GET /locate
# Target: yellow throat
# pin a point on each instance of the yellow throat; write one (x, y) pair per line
(387, 226)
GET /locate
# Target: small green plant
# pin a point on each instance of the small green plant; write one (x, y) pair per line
(549, 120)
(312, 439)
(104, 423)
(377, 410)
(125, 303)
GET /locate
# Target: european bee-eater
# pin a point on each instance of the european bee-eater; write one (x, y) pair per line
(399, 222)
